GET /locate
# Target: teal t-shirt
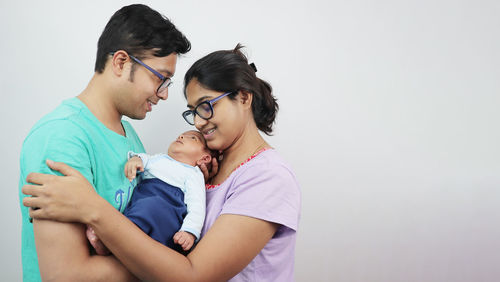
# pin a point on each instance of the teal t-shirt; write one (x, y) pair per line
(73, 135)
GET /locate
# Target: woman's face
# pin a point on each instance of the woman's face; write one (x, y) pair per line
(228, 121)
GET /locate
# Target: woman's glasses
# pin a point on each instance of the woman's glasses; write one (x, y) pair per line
(205, 110)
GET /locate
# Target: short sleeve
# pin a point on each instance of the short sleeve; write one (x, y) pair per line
(266, 191)
(60, 141)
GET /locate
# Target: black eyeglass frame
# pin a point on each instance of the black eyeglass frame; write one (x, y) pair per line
(188, 113)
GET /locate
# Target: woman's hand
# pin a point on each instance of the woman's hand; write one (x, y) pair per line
(214, 168)
(68, 198)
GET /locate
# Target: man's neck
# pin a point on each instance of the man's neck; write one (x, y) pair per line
(98, 98)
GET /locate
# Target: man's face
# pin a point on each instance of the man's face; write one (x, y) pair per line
(139, 94)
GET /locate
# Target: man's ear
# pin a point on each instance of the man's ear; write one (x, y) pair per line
(246, 98)
(205, 159)
(118, 61)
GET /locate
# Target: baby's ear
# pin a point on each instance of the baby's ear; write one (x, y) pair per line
(205, 159)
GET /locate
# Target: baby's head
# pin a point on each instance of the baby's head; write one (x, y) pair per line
(190, 148)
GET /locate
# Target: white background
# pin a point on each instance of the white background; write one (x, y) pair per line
(389, 116)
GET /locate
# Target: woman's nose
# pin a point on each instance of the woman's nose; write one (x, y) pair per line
(199, 122)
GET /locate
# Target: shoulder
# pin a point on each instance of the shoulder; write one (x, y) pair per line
(268, 166)
(196, 177)
(192, 174)
(59, 136)
(60, 130)
(265, 188)
(66, 120)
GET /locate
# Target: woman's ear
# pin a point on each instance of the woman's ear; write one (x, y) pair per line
(205, 159)
(246, 98)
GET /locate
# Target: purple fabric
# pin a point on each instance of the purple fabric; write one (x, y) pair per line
(264, 188)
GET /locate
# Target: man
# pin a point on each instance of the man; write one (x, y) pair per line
(136, 58)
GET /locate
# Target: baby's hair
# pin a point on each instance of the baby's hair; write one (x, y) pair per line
(213, 153)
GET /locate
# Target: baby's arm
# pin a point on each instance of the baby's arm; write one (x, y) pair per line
(136, 162)
(194, 198)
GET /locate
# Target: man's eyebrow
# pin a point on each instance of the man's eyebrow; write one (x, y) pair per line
(199, 101)
(169, 73)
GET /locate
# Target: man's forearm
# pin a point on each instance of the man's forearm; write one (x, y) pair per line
(63, 255)
(102, 268)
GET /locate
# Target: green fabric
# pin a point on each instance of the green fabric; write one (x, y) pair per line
(73, 135)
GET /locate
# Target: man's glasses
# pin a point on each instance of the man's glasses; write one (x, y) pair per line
(205, 110)
(165, 81)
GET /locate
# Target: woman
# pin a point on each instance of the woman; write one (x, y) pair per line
(253, 203)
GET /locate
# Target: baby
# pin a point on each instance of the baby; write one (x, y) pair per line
(168, 202)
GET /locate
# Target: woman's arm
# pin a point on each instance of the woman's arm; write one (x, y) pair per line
(231, 243)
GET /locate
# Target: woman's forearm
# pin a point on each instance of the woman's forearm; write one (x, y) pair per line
(141, 255)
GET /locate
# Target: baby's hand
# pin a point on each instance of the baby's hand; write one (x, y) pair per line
(99, 247)
(131, 167)
(185, 239)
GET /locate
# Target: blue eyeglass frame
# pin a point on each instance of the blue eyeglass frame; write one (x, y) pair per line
(210, 103)
(164, 79)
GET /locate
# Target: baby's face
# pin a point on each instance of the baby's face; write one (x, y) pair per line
(188, 147)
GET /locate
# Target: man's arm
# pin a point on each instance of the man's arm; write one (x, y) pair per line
(62, 248)
(63, 255)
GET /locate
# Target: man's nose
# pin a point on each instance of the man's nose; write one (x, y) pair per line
(163, 94)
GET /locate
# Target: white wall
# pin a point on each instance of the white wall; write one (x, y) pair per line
(389, 115)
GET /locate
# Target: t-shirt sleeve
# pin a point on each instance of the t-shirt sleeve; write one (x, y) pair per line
(266, 191)
(60, 141)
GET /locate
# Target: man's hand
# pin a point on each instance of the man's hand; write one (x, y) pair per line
(131, 167)
(185, 239)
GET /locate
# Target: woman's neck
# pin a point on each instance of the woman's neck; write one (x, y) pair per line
(249, 143)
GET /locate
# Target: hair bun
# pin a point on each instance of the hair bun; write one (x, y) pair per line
(252, 65)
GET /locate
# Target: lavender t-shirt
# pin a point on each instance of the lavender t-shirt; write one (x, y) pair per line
(266, 188)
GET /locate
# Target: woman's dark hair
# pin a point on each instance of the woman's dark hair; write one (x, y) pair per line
(228, 70)
(138, 29)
